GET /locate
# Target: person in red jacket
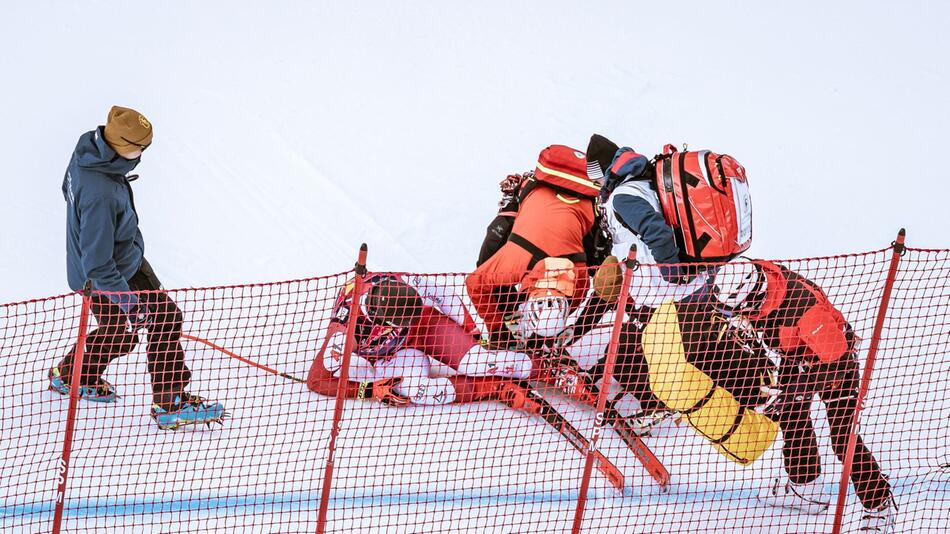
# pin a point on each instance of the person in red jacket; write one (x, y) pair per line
(555, 212)
(791, 317)
(404, 321)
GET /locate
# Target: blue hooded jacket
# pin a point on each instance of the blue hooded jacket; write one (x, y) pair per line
(636, 213)
(103, 241)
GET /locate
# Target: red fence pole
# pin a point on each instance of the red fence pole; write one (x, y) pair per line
(899, 249)
(631, 264)
(359, 272)
(71, 411)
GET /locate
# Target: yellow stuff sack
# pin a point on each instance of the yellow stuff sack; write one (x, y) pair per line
(741, 434)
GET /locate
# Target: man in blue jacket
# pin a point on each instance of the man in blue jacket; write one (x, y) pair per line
(104, 246)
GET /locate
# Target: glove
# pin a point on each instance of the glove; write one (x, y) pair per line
(509, 192)
(503, 339)
(511, 183)
(574, 384)
(812, 380)
(778, 398)
(382, 391)
(512, 330)
(139, 317)
(608, 279)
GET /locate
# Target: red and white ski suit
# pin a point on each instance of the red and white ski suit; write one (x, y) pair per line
(443, 331)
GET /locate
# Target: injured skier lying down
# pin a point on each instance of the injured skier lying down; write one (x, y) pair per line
(404, 322)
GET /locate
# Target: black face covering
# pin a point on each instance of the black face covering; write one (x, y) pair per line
(601, 150)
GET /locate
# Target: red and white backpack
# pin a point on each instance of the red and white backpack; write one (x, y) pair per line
(705, 198)
(565, 168)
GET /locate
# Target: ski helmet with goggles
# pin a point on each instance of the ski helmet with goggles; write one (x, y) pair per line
(393, 302)
(544, 316)
(739, 286)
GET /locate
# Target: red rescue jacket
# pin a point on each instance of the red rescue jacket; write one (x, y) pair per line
(797, 318)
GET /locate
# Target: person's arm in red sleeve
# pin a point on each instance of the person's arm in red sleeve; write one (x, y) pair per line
(821, 329)
(320, 379)
(481, 286)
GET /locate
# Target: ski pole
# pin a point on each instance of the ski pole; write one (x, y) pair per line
(243, 359)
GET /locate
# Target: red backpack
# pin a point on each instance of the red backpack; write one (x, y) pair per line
(565, 168)
(705, 198)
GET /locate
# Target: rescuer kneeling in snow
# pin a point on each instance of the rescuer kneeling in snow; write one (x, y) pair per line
(790, 316)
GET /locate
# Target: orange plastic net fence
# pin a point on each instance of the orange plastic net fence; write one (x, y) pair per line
(471, 402)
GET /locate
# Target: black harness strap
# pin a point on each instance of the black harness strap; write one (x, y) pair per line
(702, 402)
(537, 254)
(731, 431)
(705, 400)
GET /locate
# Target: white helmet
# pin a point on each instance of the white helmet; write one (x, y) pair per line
(545, 316)
(737, 285)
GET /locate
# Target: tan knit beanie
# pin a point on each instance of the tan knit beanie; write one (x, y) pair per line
(127, 130)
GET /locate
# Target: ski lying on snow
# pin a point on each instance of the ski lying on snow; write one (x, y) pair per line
(554, 418)
(640, 450)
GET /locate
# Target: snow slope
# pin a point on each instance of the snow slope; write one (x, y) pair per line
(288, 133)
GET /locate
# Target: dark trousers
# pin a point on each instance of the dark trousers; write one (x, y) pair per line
(631, 370)
(836, 384)
(112, 339)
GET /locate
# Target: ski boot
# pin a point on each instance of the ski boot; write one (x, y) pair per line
(563, 373)
(187, 409)
(880, 520)
(101, 392)
(811, 497)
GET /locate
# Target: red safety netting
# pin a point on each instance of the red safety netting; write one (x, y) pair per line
(475, 402)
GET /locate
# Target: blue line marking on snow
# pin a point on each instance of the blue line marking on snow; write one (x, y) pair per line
(279, 501)
(290, 501)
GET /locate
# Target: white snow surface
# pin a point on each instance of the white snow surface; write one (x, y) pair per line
(287, 133)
